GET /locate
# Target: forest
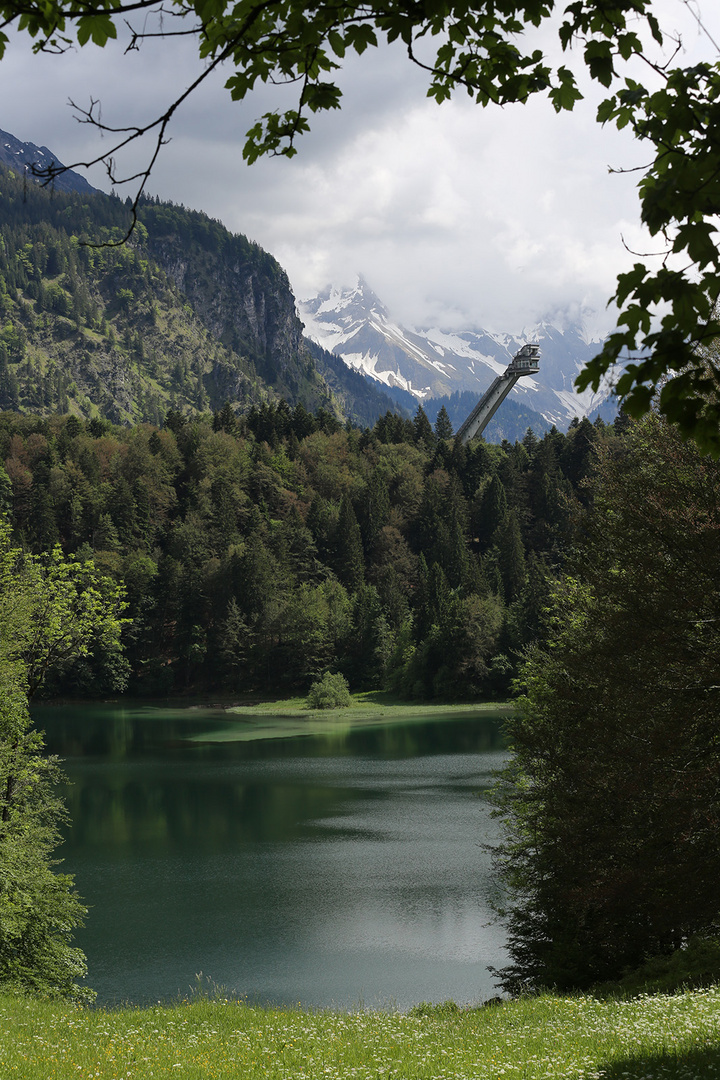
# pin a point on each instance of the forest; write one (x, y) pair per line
(245, 555)
(259, 551)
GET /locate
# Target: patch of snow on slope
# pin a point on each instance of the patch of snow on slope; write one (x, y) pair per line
(327, 334)
(453, 343)
(336, 301)
(368, 364)
(579, 404)
(395, 335)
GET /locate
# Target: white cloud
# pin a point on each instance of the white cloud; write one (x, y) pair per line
(454, 213)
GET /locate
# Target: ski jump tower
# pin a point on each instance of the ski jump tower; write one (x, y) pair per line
(526, 362)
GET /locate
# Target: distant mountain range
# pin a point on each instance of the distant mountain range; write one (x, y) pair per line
(188, 316)
(431, 362)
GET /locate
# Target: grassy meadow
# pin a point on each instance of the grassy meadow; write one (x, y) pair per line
(292, 717)
(645, 1038)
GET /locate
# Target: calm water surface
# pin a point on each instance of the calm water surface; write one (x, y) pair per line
(327, 870)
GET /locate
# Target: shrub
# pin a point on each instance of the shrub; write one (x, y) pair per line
(695, 964)
(329, 692)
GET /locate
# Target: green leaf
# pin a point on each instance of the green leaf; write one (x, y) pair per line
(566, 94)
(698, 239)
(599, 59)
(630, 282)
(322, 96)
(606, 110)
(359, 37)
(337, 43)
(628, 44)
(638, 401)
(98, 28)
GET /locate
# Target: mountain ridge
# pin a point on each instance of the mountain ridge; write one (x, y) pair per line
(431, 362)
(185, 315)
(20, 155)
(84, 334)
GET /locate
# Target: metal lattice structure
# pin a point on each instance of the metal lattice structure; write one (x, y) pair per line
(525, 362)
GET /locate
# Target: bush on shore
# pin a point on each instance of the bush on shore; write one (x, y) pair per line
(329, 692)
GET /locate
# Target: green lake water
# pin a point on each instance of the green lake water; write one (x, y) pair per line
(342, 868)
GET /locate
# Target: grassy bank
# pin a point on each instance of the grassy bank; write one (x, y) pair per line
(291, 717)
(647, 1038)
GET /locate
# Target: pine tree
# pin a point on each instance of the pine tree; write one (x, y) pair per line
(375, 508)
(443, 425)
(611, 800)
(348, 559)
(511, 557)
(43, 525)
(423, 429)
(225, 420)
(491, 512)
(236, 641)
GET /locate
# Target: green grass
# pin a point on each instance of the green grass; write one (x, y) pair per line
(291, 717)
(646, 1038)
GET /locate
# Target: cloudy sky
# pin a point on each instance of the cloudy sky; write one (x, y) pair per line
(456, 215)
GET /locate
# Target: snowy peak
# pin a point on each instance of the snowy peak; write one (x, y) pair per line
(354, 324)
(20, 156)
(348, 306)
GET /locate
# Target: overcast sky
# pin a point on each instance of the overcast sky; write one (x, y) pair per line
(456, 215)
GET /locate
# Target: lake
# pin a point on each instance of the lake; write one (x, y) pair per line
(344, 868)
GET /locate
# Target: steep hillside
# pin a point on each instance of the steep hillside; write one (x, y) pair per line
(243, 297)
(185, 315)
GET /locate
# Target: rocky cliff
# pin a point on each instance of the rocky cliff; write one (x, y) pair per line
(185, 315)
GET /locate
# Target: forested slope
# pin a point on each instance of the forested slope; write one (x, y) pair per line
(185, 315)
(260, 552)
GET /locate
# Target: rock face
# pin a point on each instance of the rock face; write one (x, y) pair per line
(243, 297)
(184, 316)
(240, 293)
(355, 324)
(20, 156)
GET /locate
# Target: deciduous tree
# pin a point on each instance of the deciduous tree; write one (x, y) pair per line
(51, 610)
(38, 907)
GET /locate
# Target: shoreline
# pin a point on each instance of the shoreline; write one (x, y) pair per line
(290, 717)
(236, 720)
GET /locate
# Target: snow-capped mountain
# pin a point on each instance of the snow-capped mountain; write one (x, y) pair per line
(21, 155)
(354, 324)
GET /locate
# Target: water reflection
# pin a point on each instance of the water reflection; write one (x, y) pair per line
(326, 869)
(117, 732)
